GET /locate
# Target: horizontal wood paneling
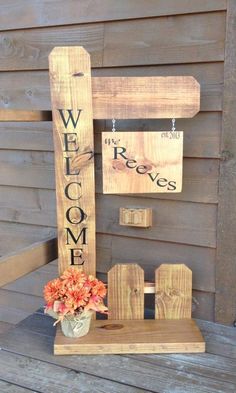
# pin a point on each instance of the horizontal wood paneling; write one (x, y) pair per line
(30, 90)
(164, 40)
(200, 179)
(15, 236)
(201, 134)
(180, 222)
(23, 14)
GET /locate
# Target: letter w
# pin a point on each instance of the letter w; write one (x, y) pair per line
(70, 117)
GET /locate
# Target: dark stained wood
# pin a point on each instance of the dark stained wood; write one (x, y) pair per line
(48, 13)
(172, 221)
(201, 133)
(30, 90)
(165, 42)
(225, 309)
(19, 263)
(108, 46)
(35, 170)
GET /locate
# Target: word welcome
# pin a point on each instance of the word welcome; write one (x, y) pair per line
(76, 231)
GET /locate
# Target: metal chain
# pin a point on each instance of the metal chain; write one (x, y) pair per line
(173, 125)
(113, 125)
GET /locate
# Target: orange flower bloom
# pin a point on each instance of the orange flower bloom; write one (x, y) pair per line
(73, 292)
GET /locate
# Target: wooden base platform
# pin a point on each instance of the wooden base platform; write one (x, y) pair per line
(133, 336)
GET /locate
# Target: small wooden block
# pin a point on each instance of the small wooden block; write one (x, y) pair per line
(142, 162)
(136, 217)
(123, 336)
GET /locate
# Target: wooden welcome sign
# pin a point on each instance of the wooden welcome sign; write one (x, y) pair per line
(142, 162)
(77, 99)
(71, 93)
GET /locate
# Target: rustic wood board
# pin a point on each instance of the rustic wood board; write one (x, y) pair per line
(173, 292)
(126, 292)
(70, 78)
(145, 97)
(135, 336)
(142, 162)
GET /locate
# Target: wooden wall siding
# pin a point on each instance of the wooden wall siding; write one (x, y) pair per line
(41, 13)
(160, 40)
(130, 38)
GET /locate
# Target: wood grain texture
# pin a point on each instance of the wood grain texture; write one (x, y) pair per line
(48, 13)
(142, 162)
(165, 41)
(173, 297)
(126, 292)
(30, 90)
(161, 40)
(145, 97)
(172, 221)
(147, 336)
(74, 94)
(225, 309)
(26, 260)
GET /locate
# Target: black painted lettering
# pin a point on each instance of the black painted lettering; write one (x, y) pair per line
(153, 176)
(73, 256)
(78, 215)
(162, 182)
(68, 168)
(116, 152)
(70, 117)
(83, 234)
(76, 191)
(142, 169)
(171, 186)
(69, 141)
(130, 162)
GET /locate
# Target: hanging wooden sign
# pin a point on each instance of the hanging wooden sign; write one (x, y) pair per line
(71, 94)
(142, 162)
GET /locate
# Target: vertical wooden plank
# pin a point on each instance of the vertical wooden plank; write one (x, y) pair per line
(71, 94)
(126, 292)
(225, 300)
(173, 293)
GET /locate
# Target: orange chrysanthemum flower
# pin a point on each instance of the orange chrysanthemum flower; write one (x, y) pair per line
(73, 292)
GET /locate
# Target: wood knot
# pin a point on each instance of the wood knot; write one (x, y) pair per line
(112, 326)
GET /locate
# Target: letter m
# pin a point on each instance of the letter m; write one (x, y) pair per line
(82, 234)
(70, 117)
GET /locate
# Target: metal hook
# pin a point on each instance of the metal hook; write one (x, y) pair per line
(113, 125)
(173, 125)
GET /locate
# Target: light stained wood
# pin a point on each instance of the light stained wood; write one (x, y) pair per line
(142, 162)
(48, 13)
(136, 217)
(24, 115)
(126, 292)
(145, 97)
(122, 336)
(24, 261)
(173, 298)
(225, 310)
(73, 92)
